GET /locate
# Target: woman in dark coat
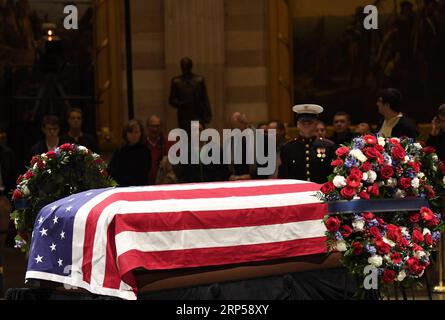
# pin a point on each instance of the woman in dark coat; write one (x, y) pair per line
(131, 163)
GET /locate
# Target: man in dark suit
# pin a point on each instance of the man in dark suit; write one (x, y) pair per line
(307, 157)
(395, 123)
(188, 94)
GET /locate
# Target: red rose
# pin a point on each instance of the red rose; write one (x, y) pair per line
(428, 239)
(398, 153)
(374, 190)
(379, 148)
(393, 232)
(396, 258)
(346, 231)
(19, 179)
(405, 183)
(402, 242)
(432, 223)
(389, 276)
(366, 167)
(394, 142)
(29, 175)
(414, 218)
(40, 165)
(429, 150)
(386, 172)
(104, 173)
(34, 160)
(380, 221)
(327, 188)
(430, 192)
(370, 139)
(375, 232)
(416, 247)
(342, 152)
(66, 147)
(51, 154)
(357, 248)
(426, 214)
(99, 161)
(414, 266)
(332, 224)
(337, 163)
(368, 216)
(347, 193)
(415, 166)
(382, 247)
(442, 166)
(371, 153)
(418, 236)
(17, 195)
(353, 181)
(364, 195)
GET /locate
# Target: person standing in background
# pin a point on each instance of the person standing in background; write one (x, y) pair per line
(158, 144)
(188, 95)
(75, 134)
(395, 123)
(436, 138)
(130, 164)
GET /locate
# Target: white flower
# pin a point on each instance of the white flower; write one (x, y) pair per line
(443, 181)
(426, 231)
(415, 183)
(341, 246)
(418, 146)
(339, 182)
(387, 258)
(375, 260)
(382, 141)
(401, 276)
(82, 149)
(391, 182)
(406, 159)
(434, 168)
(358, 225)
(358, 154)
(435, 158)
(388, 241)
(400, 194)
(372, 176)
(419, 254)
(420, 175)
(25, 191)
(404, 231)
(365, 177)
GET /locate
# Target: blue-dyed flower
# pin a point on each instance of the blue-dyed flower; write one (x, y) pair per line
(350, 162)
(338, 236)
(358, 143)
(436, 236)
(370, 249)
(373, 223)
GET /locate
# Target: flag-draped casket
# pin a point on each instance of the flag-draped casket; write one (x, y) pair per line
(95, 240)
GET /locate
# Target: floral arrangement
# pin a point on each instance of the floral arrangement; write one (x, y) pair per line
(67, 170)
(398, 244)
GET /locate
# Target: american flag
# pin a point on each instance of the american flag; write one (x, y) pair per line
(95, 239)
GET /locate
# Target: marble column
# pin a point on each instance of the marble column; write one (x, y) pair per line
(195, 29)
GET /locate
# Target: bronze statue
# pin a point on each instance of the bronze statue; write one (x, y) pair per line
(188, 94)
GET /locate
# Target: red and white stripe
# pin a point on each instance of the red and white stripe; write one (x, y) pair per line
(193, 225)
